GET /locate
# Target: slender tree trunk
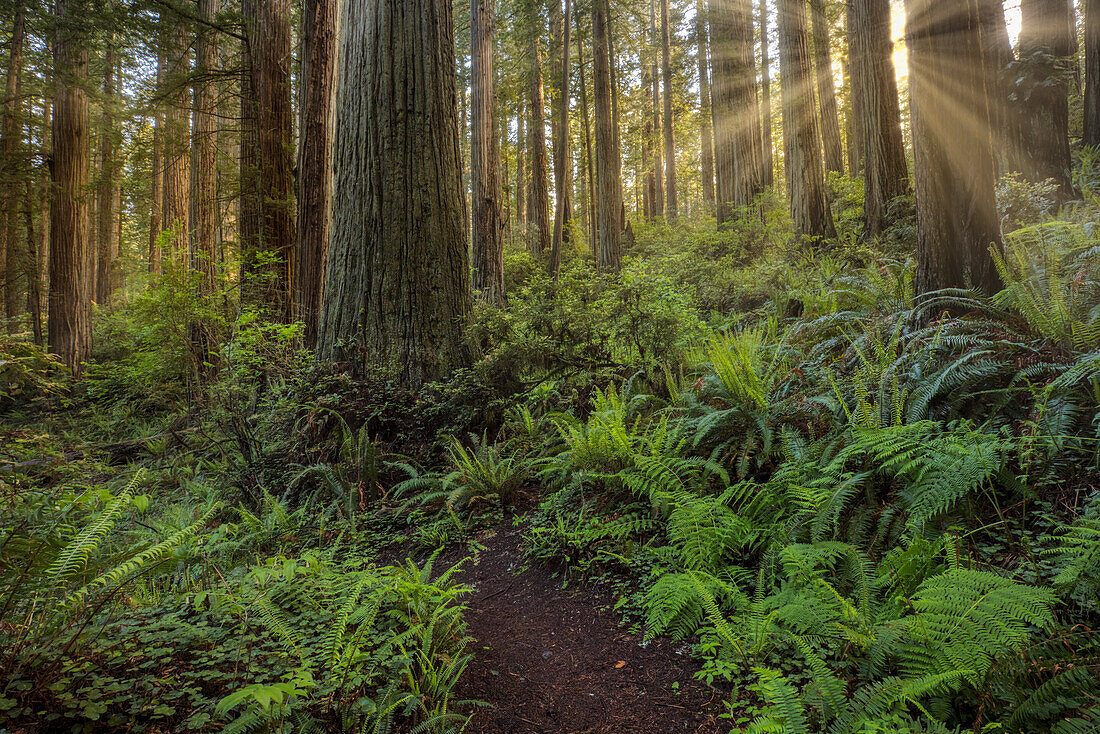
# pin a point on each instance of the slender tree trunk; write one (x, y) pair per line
(885, 174)
(11, 168)
(826, 89)
(1045, 48)
(738, 138)
(706, 139)
(177, 137)
(1092, 73)
(42, 251)
(657, 183)
(488, 220)
(156, 188)
(671, 205)
(856, 83)
(70, 322)
(805, 169)
(561, 147)
(957, 220)
(766, 96)
(398, 278)
(608, 165)
(588, 153)
(107, 188)
(267, 197)
(317, 85)
(521, 171)
(538, 198)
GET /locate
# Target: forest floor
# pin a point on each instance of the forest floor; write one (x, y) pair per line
(554, 661)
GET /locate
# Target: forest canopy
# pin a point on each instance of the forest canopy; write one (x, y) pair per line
(550, 366)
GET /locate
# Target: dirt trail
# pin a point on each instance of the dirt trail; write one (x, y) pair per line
(555, 662)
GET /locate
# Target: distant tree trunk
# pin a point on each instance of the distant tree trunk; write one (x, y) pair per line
(521, 170)
(738, 139)
(805, 169)
(588, 162)
(885, 174)
(766, 97)
(671, 205)
(608, 170)
(488, 220)
(826, 89)
(538, 197)
(957, 218)
(398, 277)
(706, 138)
(107, 188)
(657, 182)
(1045, 48)
(267, 197)
(317, 114)
(855, 95)
(41, 264)
(562, 166)
(177, 136)
(156, 188)
(1092, 73)
(12, 168)
(70, 322)
(999, 56)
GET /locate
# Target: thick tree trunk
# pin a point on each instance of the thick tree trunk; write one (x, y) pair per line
(177, 138)
(588, 162)
(999, 56)
(706, 138)
(885, 175)
(766, 97)
(11, 168)
(1092, 73)
(805, 170)
(957, 220)
(671, 205)
(1045, 48)
(855, 95)
(267, 196)
(156, 188)
(538, 197)
(563, 207)
(488, 220)
(317, 115)
(608, 166)
(738, 139)
(398, 279)
(107, 188)
(654, 140)
(826, 89)
(70, 321)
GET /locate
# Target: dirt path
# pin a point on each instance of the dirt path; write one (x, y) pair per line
(554, 662)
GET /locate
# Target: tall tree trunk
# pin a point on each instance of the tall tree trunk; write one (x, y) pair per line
(1092, 73)
(177, 137)
(156, 188)
(561, 147)
(521, 171)
(706, 139)
(766, 97)
(957, 220)
(11, 168)
(41, 264)
(608, 166)
(738, 139)
(657, 182)
(107, 188)
(267, 197)
(805, 169)
(826, 89)
(671, 205)
(538, 198)
(488, 220)
(855, 95)
(320, 19)
(202, 247)
(398, 284)
(70, 322)
(589, 164)
(885, 174)
(999, 57)
(1045, 48)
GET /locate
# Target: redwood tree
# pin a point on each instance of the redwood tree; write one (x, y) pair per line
(1092, 73)
(826, 88)
(957, 219)
(706, 139)
(671, 205)
(608, 166)
(488, 219)
(397, 289)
